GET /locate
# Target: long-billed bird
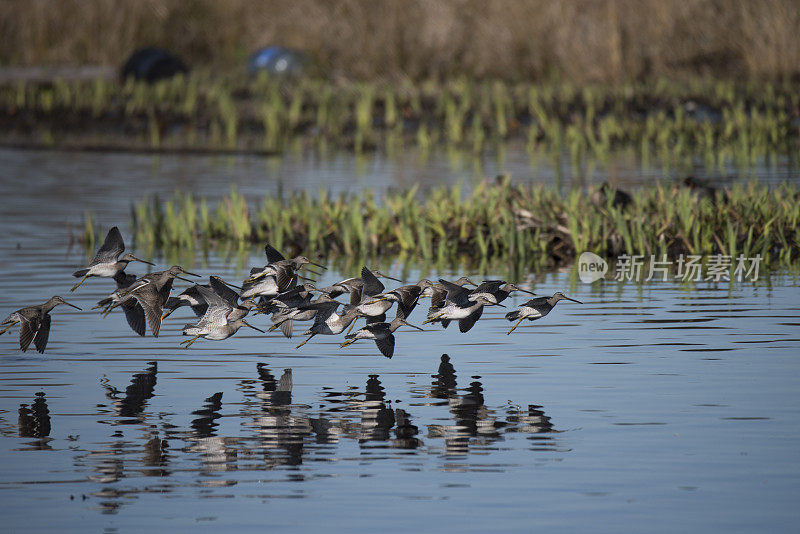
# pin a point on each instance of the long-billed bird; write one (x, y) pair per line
(191, 297)
(536, 308)
(34, 323)
(353, 286)
(134, 313)
(106, 261)
(374, 309)
(437, 292)
(327, 321)
(461, 306)
(382, 333)
(498, 289)
(282, 269)
(288, 308)
(406, 297)
(605, 193)
(223, 318)
(152, 291)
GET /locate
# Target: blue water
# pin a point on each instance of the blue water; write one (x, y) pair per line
(649, 408)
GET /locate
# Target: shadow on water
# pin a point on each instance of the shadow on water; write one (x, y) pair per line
(273, 433)
(34, 422)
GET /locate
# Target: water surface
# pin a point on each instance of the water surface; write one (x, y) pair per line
(649, 408)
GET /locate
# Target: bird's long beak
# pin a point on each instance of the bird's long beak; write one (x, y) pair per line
(412, 326)
(526, 291)
(318, 265)
(68, 304)
(392, 278)
(190, 274)
(143, 261)
(573, 300)
(301, 277)
(498, 304)
(234, 286)
(251, 326)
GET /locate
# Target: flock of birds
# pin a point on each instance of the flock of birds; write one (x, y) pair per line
(278, 289)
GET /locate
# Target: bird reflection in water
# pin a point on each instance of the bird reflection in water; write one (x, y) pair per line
(376, 418)
(216, 453)
(405, 432)
(146, 455)
(34, 422)
(277, 428)
(475, 423)
(205, 426)
(277, 432)
(137, 393)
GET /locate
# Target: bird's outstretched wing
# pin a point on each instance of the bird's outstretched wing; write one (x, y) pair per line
(272, 254)
(27, 330)
(386, 345)
(42, 334)
(324, 309)
(455, 293)
(469, 321)
(134, 314)
(372, 286)
(220, 288)
(111, 248)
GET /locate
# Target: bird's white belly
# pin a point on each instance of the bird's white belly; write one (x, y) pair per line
(375, 308)
(104, 269)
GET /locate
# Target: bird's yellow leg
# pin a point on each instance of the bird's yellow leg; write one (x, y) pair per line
(108, 310)
(515, 326)
(188, 342)
(431, 319)
(76, 286)
(306, 341)
(348, 342)
(351, 327)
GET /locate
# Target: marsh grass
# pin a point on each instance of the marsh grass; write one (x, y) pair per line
(520, 224)
(664, 121)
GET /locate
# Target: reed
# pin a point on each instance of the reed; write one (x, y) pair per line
(522, 224)
(666, 121)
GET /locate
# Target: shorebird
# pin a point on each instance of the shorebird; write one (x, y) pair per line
(382, 333)
(224, 316)
(460, 305)
(536, 308)
(134, 313)
(374, 309)
(152, 291)
(497, 289)
(281, 268)
(700, 189)
(353, 286)
(289, 308)
(327, 321)
(619, 198)
(34, 323)
(106, 261)
(437, 292)
(191, 297)
(406, 297)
